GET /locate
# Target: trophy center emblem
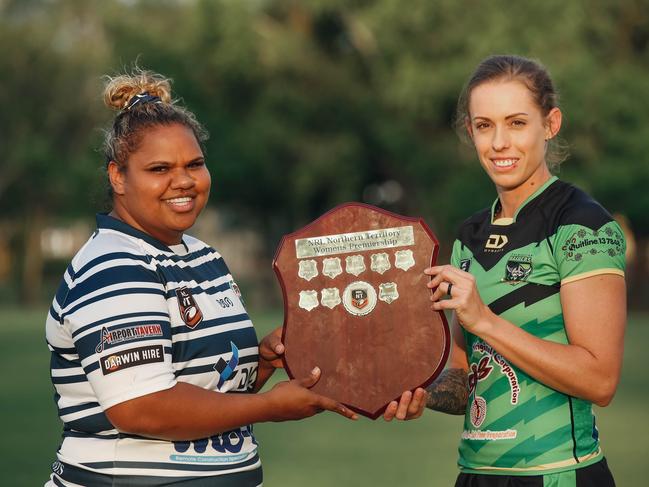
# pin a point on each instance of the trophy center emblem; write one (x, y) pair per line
(359, 298)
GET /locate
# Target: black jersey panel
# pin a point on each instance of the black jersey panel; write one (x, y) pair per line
(559, 204)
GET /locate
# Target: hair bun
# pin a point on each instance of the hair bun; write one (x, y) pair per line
(120, 89)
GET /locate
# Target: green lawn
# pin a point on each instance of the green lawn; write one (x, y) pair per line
(323, 451)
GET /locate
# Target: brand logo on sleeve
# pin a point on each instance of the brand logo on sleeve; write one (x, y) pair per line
(190, 313)
(465, 264)
(131, 358)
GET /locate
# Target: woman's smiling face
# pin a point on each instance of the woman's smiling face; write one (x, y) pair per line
(510, 132)
(164, 184)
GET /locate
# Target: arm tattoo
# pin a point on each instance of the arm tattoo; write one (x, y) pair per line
(449, 393)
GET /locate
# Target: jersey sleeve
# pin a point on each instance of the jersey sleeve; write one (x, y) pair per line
(456, 253)
(581, 251)
(116, 313)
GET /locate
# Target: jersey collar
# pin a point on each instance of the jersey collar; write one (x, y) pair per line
(496, 204)
(106, 221)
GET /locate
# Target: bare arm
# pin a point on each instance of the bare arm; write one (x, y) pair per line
(594, 310)
(449, 393)
(186, 412)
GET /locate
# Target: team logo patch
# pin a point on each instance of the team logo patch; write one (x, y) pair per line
(127, 334)
(131, 357)
(190, 313)
(465, 264)
(359, 298)
(518, 269)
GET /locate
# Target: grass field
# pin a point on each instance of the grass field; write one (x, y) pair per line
(323, 451)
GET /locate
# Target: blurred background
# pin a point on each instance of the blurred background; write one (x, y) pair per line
(309, 104)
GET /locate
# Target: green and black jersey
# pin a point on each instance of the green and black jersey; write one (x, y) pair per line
(514, 424)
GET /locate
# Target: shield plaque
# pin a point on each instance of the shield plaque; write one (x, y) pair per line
(363, 314)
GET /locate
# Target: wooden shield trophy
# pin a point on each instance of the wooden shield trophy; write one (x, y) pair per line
(357, 306)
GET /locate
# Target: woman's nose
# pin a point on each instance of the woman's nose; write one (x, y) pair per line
(182, 180)
(500, 139)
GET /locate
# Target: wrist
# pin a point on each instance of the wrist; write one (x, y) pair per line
(485, 324)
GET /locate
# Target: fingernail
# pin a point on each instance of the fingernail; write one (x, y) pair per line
(315, 370)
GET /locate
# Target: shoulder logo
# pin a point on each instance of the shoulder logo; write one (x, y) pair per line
(584, 243)
(190, 313)
(465, 264)
(496, 242)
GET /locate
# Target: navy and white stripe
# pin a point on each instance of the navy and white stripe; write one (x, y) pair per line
(117, 298)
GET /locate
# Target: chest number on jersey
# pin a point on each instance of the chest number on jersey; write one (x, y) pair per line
(225, 302)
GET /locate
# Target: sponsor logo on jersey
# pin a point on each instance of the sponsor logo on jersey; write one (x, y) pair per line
(465, 264)
(495, 243)
(131, 358)
(478, 411)
(190, 313)
(518, 269)
(226, 369)
(585, 242)
(113, 337)
(483, 369)
(235, 289)
(57, 468)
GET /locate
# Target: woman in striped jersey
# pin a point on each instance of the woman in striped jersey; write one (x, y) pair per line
(154, 359)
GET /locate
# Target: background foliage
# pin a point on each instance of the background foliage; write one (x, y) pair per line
(311, 104)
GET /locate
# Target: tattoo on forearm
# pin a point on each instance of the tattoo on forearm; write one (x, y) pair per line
(449, 393)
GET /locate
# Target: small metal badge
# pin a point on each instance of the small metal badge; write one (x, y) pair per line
(308, 269)
(359, 298)
(355, 264)
(308, 300)
(331, 267)
(330, 297)
(404, 259)
(380, 262)
(388, 292)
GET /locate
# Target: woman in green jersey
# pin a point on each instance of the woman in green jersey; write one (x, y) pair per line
(536, 285)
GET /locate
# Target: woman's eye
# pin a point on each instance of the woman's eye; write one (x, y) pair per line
(158, 169)
(197, 164)
(481, 125)
(518, 123)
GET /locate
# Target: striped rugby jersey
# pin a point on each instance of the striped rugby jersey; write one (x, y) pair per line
(514, 424)
(133, 316)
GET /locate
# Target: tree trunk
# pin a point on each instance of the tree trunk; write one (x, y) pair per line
(32, 275)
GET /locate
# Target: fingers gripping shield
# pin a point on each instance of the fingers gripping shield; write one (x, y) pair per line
(357, 306)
